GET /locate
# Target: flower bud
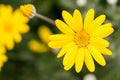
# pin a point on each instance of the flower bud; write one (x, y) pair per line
(28, 10)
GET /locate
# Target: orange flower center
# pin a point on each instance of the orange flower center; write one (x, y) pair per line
(82, 38)
(7, 27)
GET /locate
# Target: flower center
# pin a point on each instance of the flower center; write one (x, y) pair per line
(7, 27)
(82, 38)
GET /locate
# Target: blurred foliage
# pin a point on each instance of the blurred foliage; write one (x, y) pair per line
(26, 65)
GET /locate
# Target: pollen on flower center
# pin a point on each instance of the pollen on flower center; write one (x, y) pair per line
(82, 38)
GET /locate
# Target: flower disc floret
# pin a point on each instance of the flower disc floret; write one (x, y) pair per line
(82, 39)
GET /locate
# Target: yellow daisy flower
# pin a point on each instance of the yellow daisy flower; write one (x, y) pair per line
(81, 42)
(37, 46)
(12, 25)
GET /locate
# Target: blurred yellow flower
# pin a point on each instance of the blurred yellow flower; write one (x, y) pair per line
(44, 32)
(12, 25)
(3, 57)
(82, 41)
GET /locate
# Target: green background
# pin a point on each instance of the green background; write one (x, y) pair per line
(24, 64)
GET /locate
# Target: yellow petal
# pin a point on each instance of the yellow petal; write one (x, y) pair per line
(59, 37)
(18, 16)
(78, 20)
(88, 18)
(9, 43)
(58, 44)
(99, 42)
(79, 60)
(69, 66)
(69, 20)
(44, 32)
(17, 37)
(63, 27)
(96, 23)
(89, 61)
(2, 50)
(70, 56)
(37, 47)
(65, 49)
(3, 58)
(104, 50)
(6, 11)
(97, 55)
(23, 28)
(71, 60)
(103, 31)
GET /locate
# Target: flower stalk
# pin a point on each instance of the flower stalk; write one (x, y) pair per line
(30, 11)
(45, 18)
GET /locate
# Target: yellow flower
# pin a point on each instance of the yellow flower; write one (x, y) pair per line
(12, 25)
(28, 10)
(39, 47)
(81, 42)
(3, 57)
